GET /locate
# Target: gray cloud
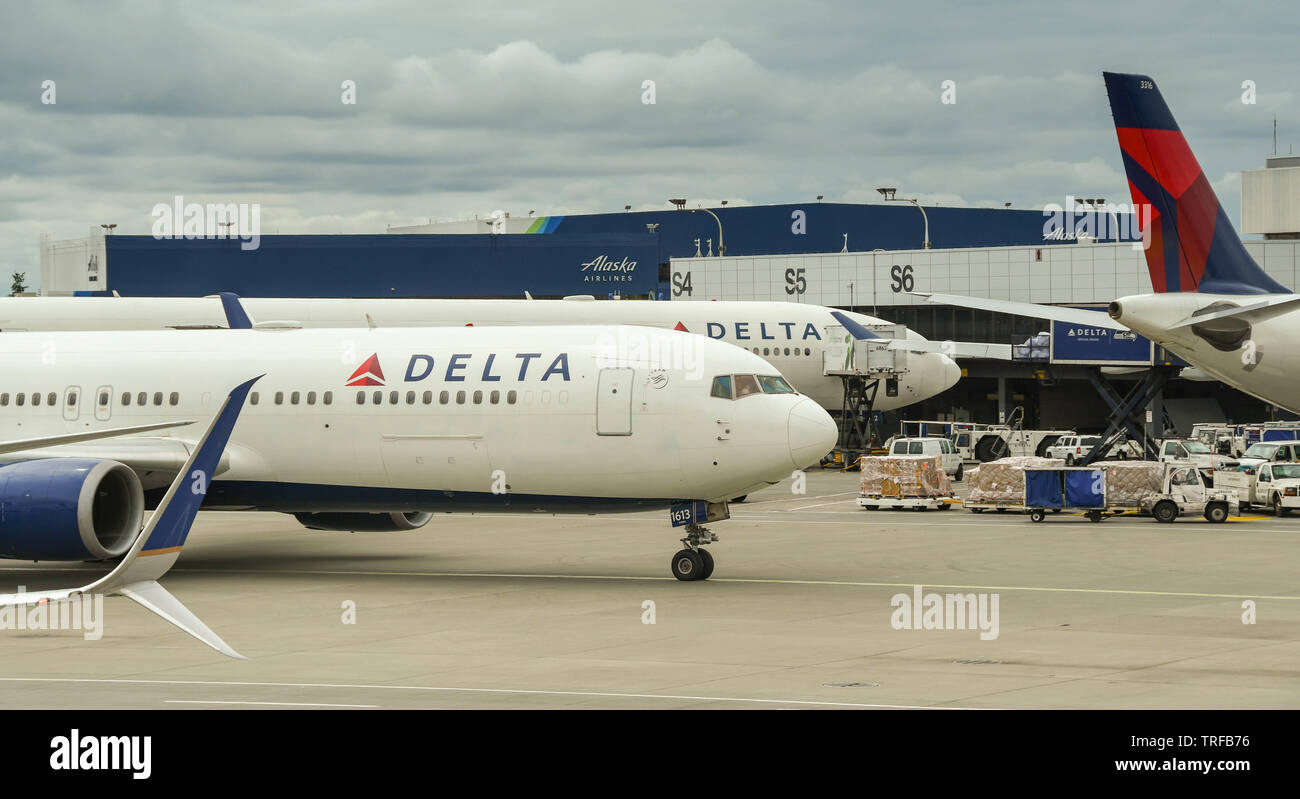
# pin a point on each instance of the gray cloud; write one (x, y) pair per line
(469, 108)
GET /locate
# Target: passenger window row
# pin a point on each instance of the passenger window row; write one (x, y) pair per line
(781, 350)
(294, 397)
(37, 398)
(427, 397)
(142, 398)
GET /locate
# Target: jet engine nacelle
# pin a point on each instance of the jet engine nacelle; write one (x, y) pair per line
(364, 522)
(68, 509)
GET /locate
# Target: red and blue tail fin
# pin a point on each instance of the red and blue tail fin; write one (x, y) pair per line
(1193, 246)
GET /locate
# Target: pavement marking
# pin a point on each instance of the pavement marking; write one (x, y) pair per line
(276, 704)
(755, 580)
(818, 505)
(447, 689)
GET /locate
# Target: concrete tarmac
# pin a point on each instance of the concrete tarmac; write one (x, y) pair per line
(539, 611)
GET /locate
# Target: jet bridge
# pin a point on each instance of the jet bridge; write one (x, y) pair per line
(865, 367)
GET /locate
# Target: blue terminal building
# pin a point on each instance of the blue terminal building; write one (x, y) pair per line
(607, 255)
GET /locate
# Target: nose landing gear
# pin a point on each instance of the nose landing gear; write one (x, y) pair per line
(694, 562)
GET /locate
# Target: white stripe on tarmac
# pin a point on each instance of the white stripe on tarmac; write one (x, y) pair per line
(514, 691)
(271, 704)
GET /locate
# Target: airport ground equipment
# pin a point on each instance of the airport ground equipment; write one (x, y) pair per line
(1128, 411)
(1183, 490)
(1004, 441)
(896, 482)
(961, 434)
(861, 357)
(1273, 485)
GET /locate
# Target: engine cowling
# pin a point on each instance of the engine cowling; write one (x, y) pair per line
(68, 509)
(364, 522)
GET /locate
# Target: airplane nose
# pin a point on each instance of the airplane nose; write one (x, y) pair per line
(812, 433)
(951, 373)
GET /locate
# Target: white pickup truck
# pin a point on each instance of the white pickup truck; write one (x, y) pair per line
(1177, 450)
(1256, 455)
(1272, 485)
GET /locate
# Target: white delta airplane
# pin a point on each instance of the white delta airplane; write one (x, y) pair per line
(1213, 306)
(791, 336)
(486, 419)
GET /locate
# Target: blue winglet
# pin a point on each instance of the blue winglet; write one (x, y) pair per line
(856, 330)
(180, 507)
(236, 319)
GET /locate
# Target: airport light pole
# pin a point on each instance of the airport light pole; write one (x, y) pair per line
(722, 249)
(888, 194)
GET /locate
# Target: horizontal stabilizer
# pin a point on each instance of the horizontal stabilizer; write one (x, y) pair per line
(1253, 312)
(1056, 313)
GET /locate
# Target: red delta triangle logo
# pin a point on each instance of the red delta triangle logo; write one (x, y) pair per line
(368, 373)
(681, 327)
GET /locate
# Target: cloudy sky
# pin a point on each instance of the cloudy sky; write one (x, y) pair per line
(463, 108)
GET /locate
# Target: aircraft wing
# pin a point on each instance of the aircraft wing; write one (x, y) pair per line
(24, 444)
(156, 460)
(1056, 313)
(956, 349)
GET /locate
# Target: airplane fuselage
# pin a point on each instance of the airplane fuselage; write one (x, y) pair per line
(791, 336)
(1258, 357)
(391, 419)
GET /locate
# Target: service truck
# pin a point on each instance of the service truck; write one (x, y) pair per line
(1271, 485)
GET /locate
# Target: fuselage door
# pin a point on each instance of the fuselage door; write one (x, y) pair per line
(614, 402)
(71, 403)
(103, 403)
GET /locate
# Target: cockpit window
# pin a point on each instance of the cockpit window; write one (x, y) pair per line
(738, 386)
(722, 387)
(774, 384)
(746, 385)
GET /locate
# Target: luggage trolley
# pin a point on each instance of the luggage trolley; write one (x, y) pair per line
(1061, 488)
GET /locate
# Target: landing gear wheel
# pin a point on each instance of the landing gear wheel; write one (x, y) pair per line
(1165, 511)
(1037, 515)
(687, 565)
(1216, 513)
(707, 559)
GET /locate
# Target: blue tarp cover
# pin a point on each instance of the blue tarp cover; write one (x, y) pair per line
(1085, 489)
(1042, 489)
